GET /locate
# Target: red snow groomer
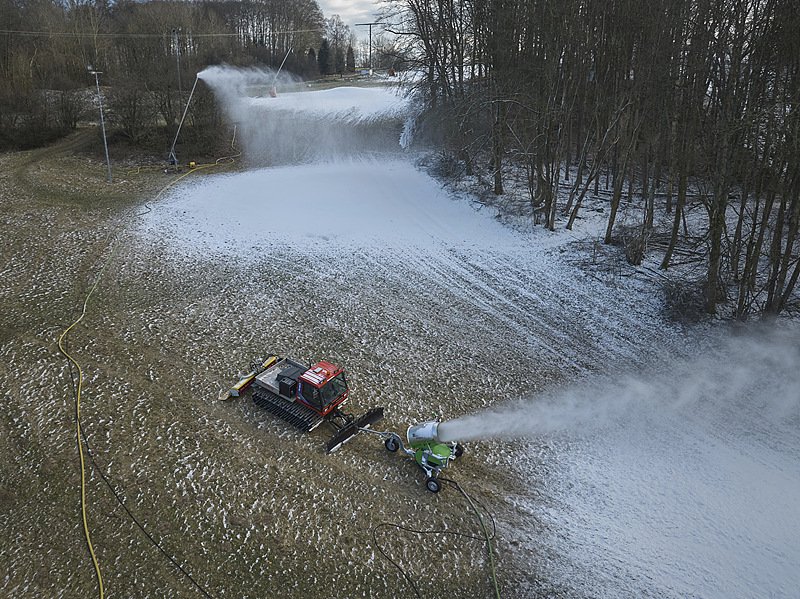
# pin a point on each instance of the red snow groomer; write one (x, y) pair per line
(306, 397)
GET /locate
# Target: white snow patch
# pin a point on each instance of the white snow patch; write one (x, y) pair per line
(319, 207)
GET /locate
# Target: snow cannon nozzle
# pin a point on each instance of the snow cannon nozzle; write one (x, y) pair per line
(425, 432)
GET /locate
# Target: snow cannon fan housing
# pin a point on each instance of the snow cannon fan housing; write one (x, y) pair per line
(428, 450)
(423, 433)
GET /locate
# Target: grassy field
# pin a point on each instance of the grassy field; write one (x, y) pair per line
(247, 506)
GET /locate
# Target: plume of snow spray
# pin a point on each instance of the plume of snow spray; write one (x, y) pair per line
(238, 82)
(754, 373)
(310, 126)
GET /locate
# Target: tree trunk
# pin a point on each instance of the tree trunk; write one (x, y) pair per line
(498, 132)
(742, 303)
(619, 181)
(736, 246)
(716, 228)
(676, 222)
(615, 199)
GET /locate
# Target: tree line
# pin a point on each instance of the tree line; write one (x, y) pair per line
(669, 103)
(148, 54)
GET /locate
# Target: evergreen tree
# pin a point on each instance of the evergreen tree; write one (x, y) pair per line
(339, 61)
(351, 60)
(324, 57)
(311, 62)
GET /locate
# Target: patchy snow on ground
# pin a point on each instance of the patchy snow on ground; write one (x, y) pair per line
(688, 499)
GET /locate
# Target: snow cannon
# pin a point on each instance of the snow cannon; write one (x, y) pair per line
(425, 432)
(430, 453)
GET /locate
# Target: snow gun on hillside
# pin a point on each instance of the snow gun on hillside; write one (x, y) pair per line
(430, 453)
(305, 397)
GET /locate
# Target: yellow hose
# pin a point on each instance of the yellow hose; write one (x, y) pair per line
(62, 349)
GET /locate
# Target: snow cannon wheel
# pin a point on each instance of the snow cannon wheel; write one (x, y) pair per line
(433, 485)
(392, 444)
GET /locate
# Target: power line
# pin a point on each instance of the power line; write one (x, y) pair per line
(370, 38)
(139, 35)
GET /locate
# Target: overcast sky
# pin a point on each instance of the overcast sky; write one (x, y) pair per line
(352, 12)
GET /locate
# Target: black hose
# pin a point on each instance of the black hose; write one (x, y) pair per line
(470, 499)
(125, 507)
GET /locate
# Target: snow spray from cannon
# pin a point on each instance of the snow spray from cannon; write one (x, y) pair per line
(756, 374)
(306, 125)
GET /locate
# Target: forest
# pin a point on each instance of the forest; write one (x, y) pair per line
(669, 103)
(147, 55)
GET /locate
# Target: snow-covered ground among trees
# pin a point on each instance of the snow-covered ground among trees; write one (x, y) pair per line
(647, 458)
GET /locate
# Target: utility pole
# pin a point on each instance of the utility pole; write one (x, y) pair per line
(102, 120)
(370, 40)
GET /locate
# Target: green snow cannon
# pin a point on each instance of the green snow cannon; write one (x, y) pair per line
(430, 454)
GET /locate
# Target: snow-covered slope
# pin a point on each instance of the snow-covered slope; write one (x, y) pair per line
(324, 207)
(660, 502)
